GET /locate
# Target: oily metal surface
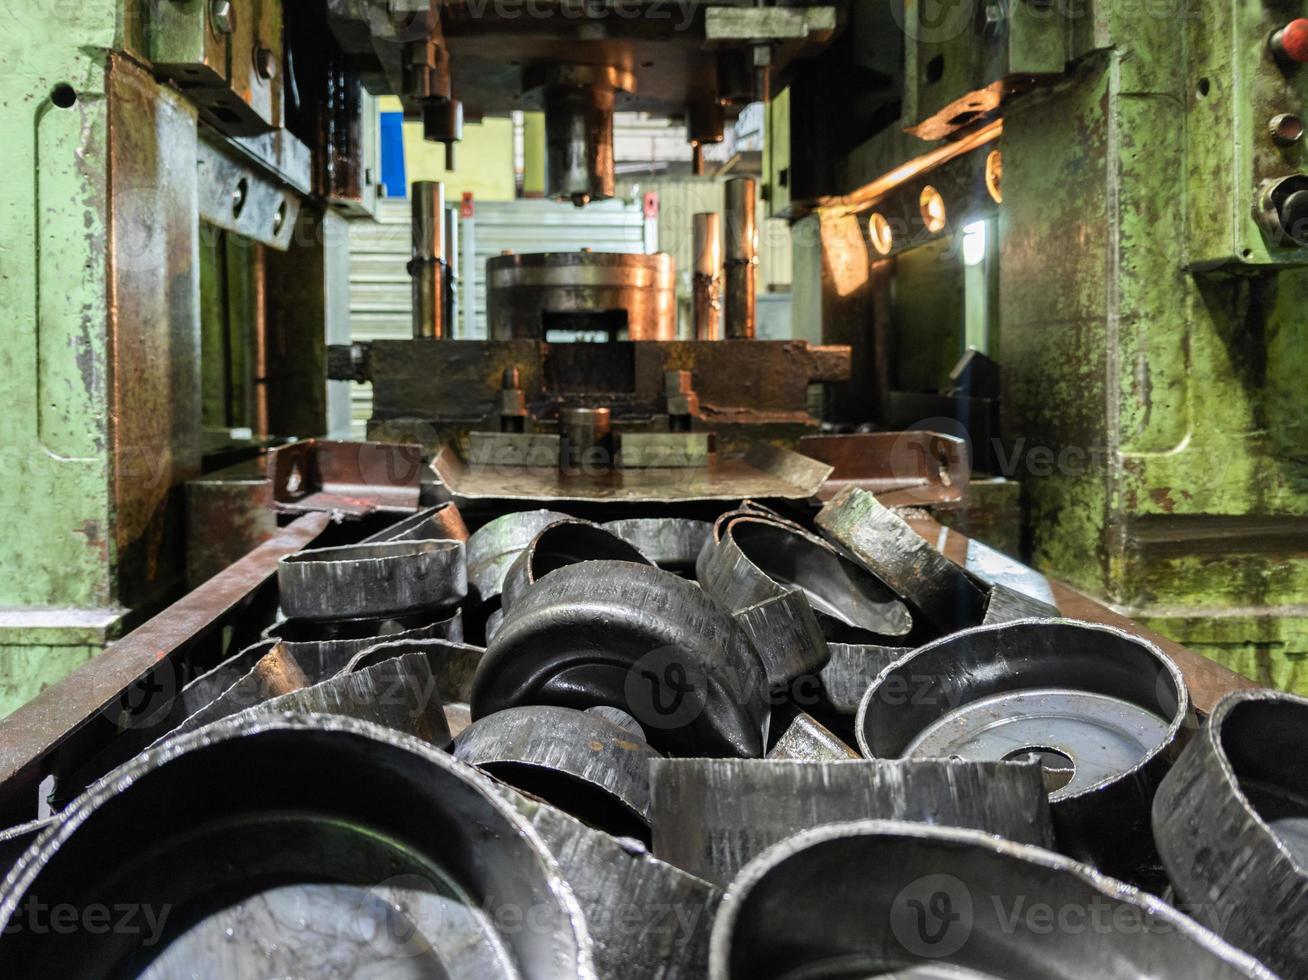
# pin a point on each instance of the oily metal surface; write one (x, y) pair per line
(637, 638)
(381, 579)
(787, 636)
(435, 523)
(919, 901)
(757, 558)
(1231, 823)
(496, 545)
(930, 583)
(453, 664)
(579, 762)
(245, 826)
(648, 919)
(763, 470)
(713, 816)
(1102, 710)
(807, 740)
(564, 542)
(673, 543)
(322, 649)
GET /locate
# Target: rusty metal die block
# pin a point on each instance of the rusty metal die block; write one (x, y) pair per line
(934, 587)
(579, 762)
(648, 920)
(1102, 710)
(808, 740)
(563, 543)
(672, 543)
(384, 579)
(850, 671)
(759, 559)
(496, 545)
(283, 871)
(1231, 824)
(1006, 605)
(399, 693)
(714, 816)
(637, 638)
(440, 523)
(348, 479)
(920, 901)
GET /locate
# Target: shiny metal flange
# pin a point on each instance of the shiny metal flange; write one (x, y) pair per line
(496, 545)
(672, 543)
(579, 762)
(937, 902)
(648, 920)
(1100, 709)
(637, 638)
(319, 846)
(934, 587)
(564, 542)
(1231, 824)
(397, 693)
(756, 559)
(442, 522)
(385, 579)
(712, 816)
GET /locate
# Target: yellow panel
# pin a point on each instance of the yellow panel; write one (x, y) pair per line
(483, 160)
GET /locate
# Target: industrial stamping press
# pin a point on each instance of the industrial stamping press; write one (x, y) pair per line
(627, 647)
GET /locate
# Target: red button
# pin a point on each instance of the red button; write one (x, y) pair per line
(1291, 41)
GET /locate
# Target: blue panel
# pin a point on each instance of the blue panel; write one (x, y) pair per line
(393, 179)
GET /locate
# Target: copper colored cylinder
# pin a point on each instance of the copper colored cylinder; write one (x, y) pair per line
(708, 276)
(427, 266)
(741, 258)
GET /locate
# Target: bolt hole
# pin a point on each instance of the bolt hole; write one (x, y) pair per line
(238, 197)
(1205, 86)
(647, 64)
(935, 69)
(279, 219)
(1056, 767)
(63, 95)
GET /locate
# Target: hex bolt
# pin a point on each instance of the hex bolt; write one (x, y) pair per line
(265, 62)
(223, 15)
(682, 401)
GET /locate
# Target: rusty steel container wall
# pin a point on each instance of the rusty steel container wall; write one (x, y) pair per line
(70, 720)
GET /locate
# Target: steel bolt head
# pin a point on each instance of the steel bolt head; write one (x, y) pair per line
(1286, 129)
(222, 13)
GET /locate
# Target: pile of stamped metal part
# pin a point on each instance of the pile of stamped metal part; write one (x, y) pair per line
(765, 746)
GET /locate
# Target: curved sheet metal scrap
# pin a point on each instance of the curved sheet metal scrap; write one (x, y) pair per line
(756, 559)
(933, 586)
(712, 816)
(579, 762)
(392, 578)
(786, 635)
(297, 847)
(1102, 710)
(1231, 824)
(648, 919)
(442, 522)
(747, 508)
(638, 638)
(672, 543)
(936, 901)
(1006, 605)
(497, 544)
(453, 664)
(564, 542)
(323, 649)
(400, 693)
(807, 740)
(850, 671)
